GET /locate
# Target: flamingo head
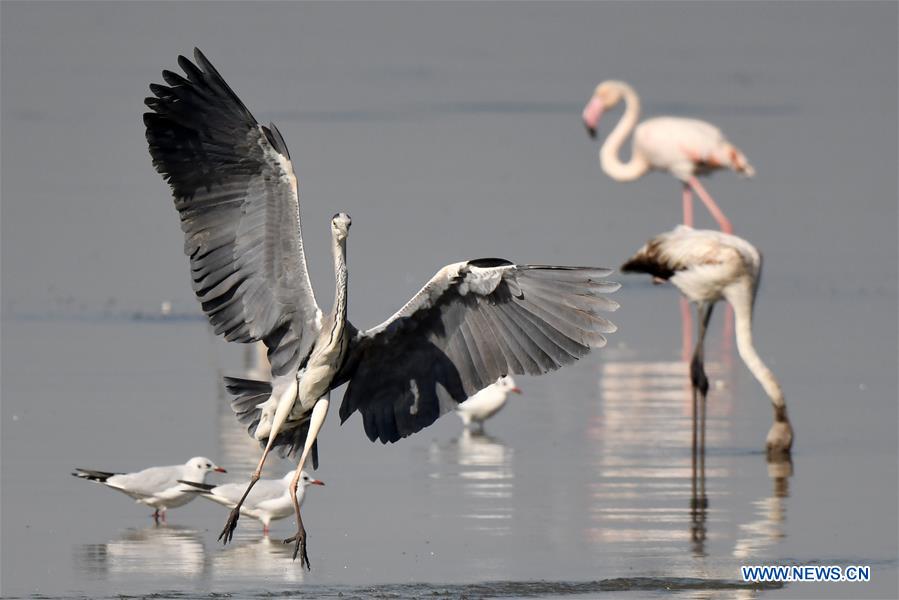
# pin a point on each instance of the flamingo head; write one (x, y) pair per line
(606, 95)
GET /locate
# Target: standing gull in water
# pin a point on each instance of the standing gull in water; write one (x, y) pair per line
(269, 501)
(487, 402)
(236, 193)
(157, 486)
(707, 266)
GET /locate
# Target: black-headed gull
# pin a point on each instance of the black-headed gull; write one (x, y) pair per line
(157, 486)
(268, 501)
(486, 403)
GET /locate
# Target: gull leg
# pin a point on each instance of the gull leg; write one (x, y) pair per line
(723, 221)
(155, 516)
(319, 412)
(285, 403)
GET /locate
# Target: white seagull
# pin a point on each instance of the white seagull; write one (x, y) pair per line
(235, 190)
(707, 266)
(487, 402)
(157, 487)
(269, 501)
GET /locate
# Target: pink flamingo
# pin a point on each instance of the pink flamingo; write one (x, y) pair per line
(686, 148)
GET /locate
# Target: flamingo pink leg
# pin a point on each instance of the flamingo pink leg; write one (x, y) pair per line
(688, 206)
(723, 221)
(686, 319)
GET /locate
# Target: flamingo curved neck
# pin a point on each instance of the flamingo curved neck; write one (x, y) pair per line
(743, 324)
(608, 154)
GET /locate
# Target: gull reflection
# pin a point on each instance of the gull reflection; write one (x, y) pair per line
(648, 440)
(483, 466)
(266, 558)
(160, 550)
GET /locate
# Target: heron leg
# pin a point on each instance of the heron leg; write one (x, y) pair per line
(231, 524)
(723, 221)
(319, 412)
(688, 205)
(285, 404)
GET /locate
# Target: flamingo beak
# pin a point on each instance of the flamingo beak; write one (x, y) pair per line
(316, 482)
(219, 470)
(516, 390)
(591, 115)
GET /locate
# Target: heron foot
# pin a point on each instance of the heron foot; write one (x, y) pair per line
(230, 525)
(299, 549)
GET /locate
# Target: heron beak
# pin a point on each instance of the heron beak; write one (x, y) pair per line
(219, 470)
(516, 390)
(316, 482)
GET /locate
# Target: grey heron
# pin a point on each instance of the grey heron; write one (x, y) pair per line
(235, 189)
(707, 266)
(157, 487)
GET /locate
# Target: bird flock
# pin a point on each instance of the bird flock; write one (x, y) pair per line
(454, 346)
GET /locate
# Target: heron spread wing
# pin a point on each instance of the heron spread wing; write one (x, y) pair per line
(236, 192)
(473, 322)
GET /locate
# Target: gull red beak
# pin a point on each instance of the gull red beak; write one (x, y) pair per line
(219, 470)
(516, 390)
(316, 482)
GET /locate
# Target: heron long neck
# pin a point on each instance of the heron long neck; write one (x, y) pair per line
(608, 154)
(742, 304)
(338, 313)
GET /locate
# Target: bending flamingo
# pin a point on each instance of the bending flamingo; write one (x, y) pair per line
(707, 266)
(686, 148)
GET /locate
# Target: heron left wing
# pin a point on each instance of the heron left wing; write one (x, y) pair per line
(236, 192)
(470, 324)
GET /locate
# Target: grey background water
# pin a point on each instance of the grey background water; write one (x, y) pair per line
(451, 131)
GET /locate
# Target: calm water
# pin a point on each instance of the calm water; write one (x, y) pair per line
(452, 131)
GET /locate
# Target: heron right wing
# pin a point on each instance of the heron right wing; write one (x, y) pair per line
(471, 323)
(236, 192)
